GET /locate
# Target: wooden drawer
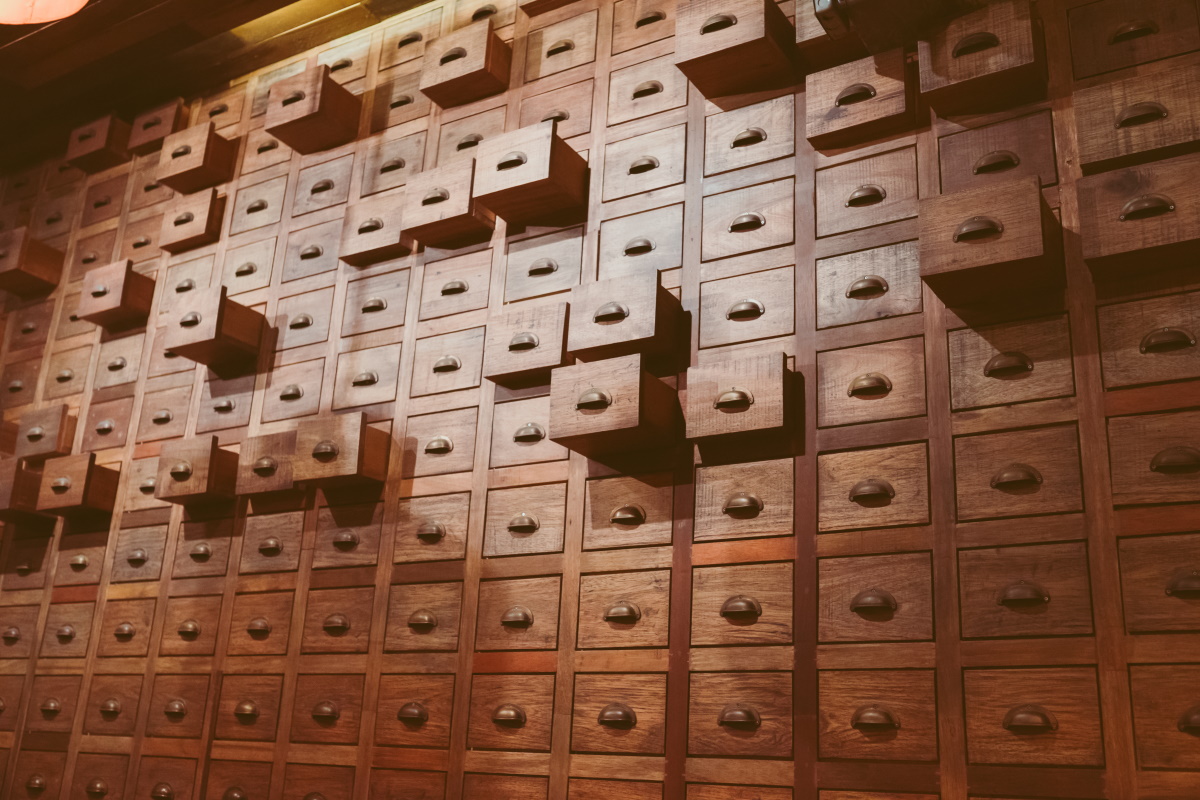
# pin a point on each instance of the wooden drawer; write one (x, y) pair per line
(38, 774)
(1012, 362)
(177, 774)
(647, 88)
(249, 707)
(749, 219)
(518, 614)
(139, 243)
(544, 265)
(340, 450)
(876, 488)
(103, 201)
(191, 626)
(469, 64)
(871, 383)
(511, 712)
(196, 471)
(570, 107)
(125, 629)
(641, 243)
(619, 714)
(292, 391)
(519, 434)
(30, 326)
(406, 40)
(375, 303)
(743, 501)
(885, 598)
(251, 777)
(456, 285)
(115, 297)
(97, 250)
(265, 463)
(312, 251)
(327, 709)
(55, 211)
(311, 111)
(366, 377)
(192, 221)
(561, 46)
(47, 432)
(624, 609)
(389, 163)
(644, 163)
(749, 135)
(303, 319)
(640, 22)
(1018, 473)
(68, 629)
(867, 192)
(99, 145)
(740, 714)
(998, 153)
(742, 395)
(1150, 341)
(436, 444)
(196, 158)
(147, 191)
(78, 487)
(747, 307)
(525, 520)
(225, 404)
(859, 101)
(399, 101)
(347, 535)
(440, 211)
(112, 705)
(734, 47)
(96, 771)
(1158, 576)
(1036, 590)
(1033, 716)
(261, 624)
(526, 340)
(448, 362)
(139, 554)
(628, 511)
(182, 283)
(10, 692)
(878, 715)
(177, 706)
(20, 383)
(423, 617)
(1155, 458)
(338, 620)
(530, 175)
(203, 549)
(150, 128)
(394, 782)
(749, 604)
(461, 138)
(69, 323)
(19, 624)
(322, 185)
(1114, 34)
(29, 266)
(432, 528)
(371, 231)
(213, 330)
(139, 486)
(348, 61)
(258, 205)
(1164, 715)
(621, 316)
(164, 414)
(415, 711)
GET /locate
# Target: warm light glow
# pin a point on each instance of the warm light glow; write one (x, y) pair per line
(33, 12)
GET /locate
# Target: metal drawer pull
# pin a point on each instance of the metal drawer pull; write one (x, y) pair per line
(867, 287)
(54, 218)
(409, 38)
(1189, 721)
(872, 492)
(509, 715)
(1141, 114)
(1022, 594)
(741, 608)
(51, 706)
(1016, 476)
(184, 218)
(639, 246)
(258, 628)
(649, 19)
(35, 433)
(543, 266)
(340, 64)
(189, 629)
(326, 712)
(181, 151)
(268, 146)
(105, 427)
(623, 611)
(453, 54)
(301, 321)
(190, 320)
(413, 714)
(181, 471)
(745, 309)
(563, 46)
(455, 287)
(617, 715)
(162, 791)
(434, 197)
(978, 228)
(524, 523)
(439, 445)
(483, 12)
(447, 364)
(345, 540)
(60, 485)
(325, 450)
(740, 717)
(176, 709)
(224, 406)
(270, 546)
(423, 620)
(872, 384)
(643, 165)
(246, 711)
(147, 486)
(748, 138)
(83, 137)
(1161, 340)
(1134, 29)
(1185, 583)
(97, 788)
(529, 433)
(718, 22)
(742, 505)
(1008, 365)
(395, 164)
(996, 161)
(611, 312)
(744, 223)
(855, 93)
(1029, 719)
(867, 195)
(336, 624)
(218, 109)
(125, 630)
(368, 378)
(291, 392)
(873, 600)
(1176, 460)
(12, 634)
(65, 634)
(110, 708)
(256, 207)
(294, 97)
(185, 285)
(646, 89)
(469, 141)
(628, 514)
(137, 557)
(36, 783)
(523, 341)
(874, 719)
(593, 400)
(975, 43)
(558, 115)
(16, 386)
(517, 617)
(512, 161)
(311, 252)
(370, 226)
(733, 399)
(1146, 206)
(264, 466)
(321, 186)
(373, 305)
(431, 532)
(140, 242)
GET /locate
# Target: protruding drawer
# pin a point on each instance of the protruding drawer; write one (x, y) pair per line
(211, 329)
(423, 617)
(338, 620)
(511, 712)
(611, 406)
(1155, 458)
(749, 219)
(1166, 715)
(644, 89)
(196, 471)
(518, 614)
(150, 128)
(191, 626)
(740, 714)
(530, 175)
(859, 101)
(745, 604)
(470, 64)
(347, 535)
(99, 145)
(619, 714)
(871, 383)
(871, 191)
(366, 377)
(621, 316)
(884, 598)
(525, 520)
(641, 243)
(526, 339)
(249, 707)
(432, 528)
(875, 488)
(747, 307)
(327, 709)
(457, 284)
(415, 710)
(644, 163)
(743, 394)
(116, 297)
(743, 501)
(735, 46)
(750, 135)
(177, 706)
(1012, 362)
(1150, 341)
(261, 624)
(47, 432)
(1018, 473)
(125, 629)
(68, 630)
(624, 609)
(885, 715)
(1114, 34)
(1160, 581)
(544, 264)
(311, 111)
(76, 486)
(628, 511)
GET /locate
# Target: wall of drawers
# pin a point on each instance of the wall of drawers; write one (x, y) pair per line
(967, 571)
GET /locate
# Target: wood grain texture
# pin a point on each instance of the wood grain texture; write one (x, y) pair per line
(1052, 452)
(908, 697)
(906, 577)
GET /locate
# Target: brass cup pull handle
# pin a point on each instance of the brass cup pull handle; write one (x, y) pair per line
(524, 522)
(409, 39)
(434, 197)
(322, 186)
(1016, 476)
(517, 617)
(1022, 594)
(138, 244)
(874, 719)
(742, 505)
(79, 562)
(439, 446)
(162, 791)
(744, 223)
(734, 399)
(447, 364)
(301, 321)
(98, 788)
(181, 151)
(367, 378)
(855, 93)
(265, 466)
(469, 141)
(294, 97)
(646, 89)
(394, 164)
(147, 486)
(866, 195)
(101, 202)
(509, 715)
(639, 246)
(557, 115)
(11, 634)
(184, 218)
(190, 320)
(740, 717)
(65, 633)
(374, 305)
(978, 228)
(873, 601)
(1180, 460)
(181, 471)
(311, 252)
(291, 392)
(512, 161)
(189, 629)
(593, 400)
(523, 341)
(609, 313)
(370, 226)
(162, 417)
(649, 18)
(628, 514)
(741, 608)
(455, 287)
(529, 433)
(124, 630)
(871, 384)
(1009, 364)
(110, 707)
(413, 714)
(975, 43)
(117, 364)
(258, 628)
(1162, 340)
(36, 783)
(176, 709)
(137, 557)
(871, 491)
(1146, 206)
(345, 540)
(745, 310)
(453, 54)
(336, 624)
(105, 427)
(246, 711)
(325, 450)
(748, 138)
(326, 712)
(1185, 583)
(1141, 114)
(1029, 719)
(543, 266)
(1134, 29)
(617, 715)
(270, 546)
(625, 612)
(431, 531)
(718, 22)
(422, 620)
(267, 146)
(35, 433)
(224, 406)
(1189, 721)
(60, 485)
(643, 165)
(257, 206)
(185, 285)
(996, 161)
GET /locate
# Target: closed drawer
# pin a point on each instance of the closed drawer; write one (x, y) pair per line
(745, 220)
(179, 775)
(139, 554)
(1039, 590)
(869, 285)
(620, 316)
(97, 250)
(435, 444)
(624, 609)
(95, 769)
(628, 511)
(1003, 151)
(740, 714)
(69, 323)
(66, 373)
(112, 705)
(640, 22)
(525, 340)
(432, 528)
(54, 702)
(338, 620)
(619, 714)
(1013, 362)
(644, 163)
(389, 163)
(739, 395)
(397, 781)
(1155, 458)
(260, 624)
(561, 46)
(20, 383)
(375, 303)
(1150, 341)
(1012, 474)
(191, 626)
(544, 265)
(347, 535)
(164, 414)
(139, 243)
(423, 617)
(740, 605)
(398, 101)
(647, 88)
(482, 69)
(744, 501)
(448, 362)
(19, 624)
(1158, 580)
(164, 361)
(871, 383)
(225, 109)
(125, 628)
(511, 712)
(249, 707)
(333, 783)
(251, 777)
(203, 549)
(1114, 34)
(518, 614)
(877, 488)
(886, 598)
(456, 285)
(140, 485)
(1165, 715)
(415, 711)
(460, 138)
(177, 706)
(258, 205)
(868, 192)
(858, 101)
(265, 464)
(303, 319)
(68, 629)
(570, 107)
(292, 391)
(41, 769)
(519, 434)
(327, 709)
(322, 185)
(747, 307)
(312, 251)
(347, 62)
(525, 520)
(884, 715)
(1033, 716)
(147, 189)
(366, 377)
(750, 135)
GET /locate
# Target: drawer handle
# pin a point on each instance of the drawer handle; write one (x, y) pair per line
(523, 341)
(748, 138)
(975, 43)
(110, 708)
(189, 629)
(558, 115)
(97, 788)
(734, 399)
(140, 242)
(855, 93)
(1007, 365)
(628, 514)
(1015, 477)
(742, 505)
(370, 226)
(368, 378)
(422, 620)
(543, 266)
(868, 287)
(35, 433)
(1146, 206)
(153, 186)
(996, 161)
(224, 406)
(977, 229)
(1022, 594)
(301, 321)
(872, 384)
(181, 471)
(51, 706)
(639, 246)
(740, 717)
(643, 165)
(455, 287)
(560, 47)
(162, 791)
(105, 427)
(190, 320)
(744, 223)
(439, 445)
(30, 327)
(434, 197)
(646, 89)
(185, 285)
(509, 715)
(1176, 461)
(1189, 721)
(469, 141)
(741, 608)
(511, 161)
(326, 712)
(1141, 114)
(529, 433)
(137, 557)
(181, 151)
(65, 375)
(325, 450)
(872, 492)
(745, 310)
(91, 257)
(246, 711)
(125, 631)
(408, 39)
(256, 207)
(649, 18)
(517, 617)
(374, 305)
(1029, 719)
(176, 709)
(447, 364)
(874, 719)
(98, 291)
(524, 523)
(36, 783)
(431, 532)
(60, 485)
(625, 612)
(1161, 340)
(866, 195)
(394, 164)
(65, 634)
(345, 540)
(718, 22)
(184, 218)
(593, 400)
(453, 54)
(340, 64)
(293, 98)
(147, 486)
(291, 392)
(259, 627)
(617, 715)
(311, 252)
(102, 202)
(1134, 29)
(873, 601)
(1185, 583)
(11, 634)
(218, 110)
(483, 12)
(270, 546)
(336, 624)
(413, 714)
(264, 467)
(612, 312)
(268, 146)
(321, 186)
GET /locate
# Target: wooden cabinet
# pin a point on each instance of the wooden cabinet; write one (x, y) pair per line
(858, 101)
(1114, 34)
(751, 395)
(886, 715)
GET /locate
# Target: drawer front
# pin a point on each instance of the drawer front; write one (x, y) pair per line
(745, 220)
(293, 391)
(1053, 716)
(322, 185)
(1114, 34)
(415, 710)
(389, 163)
(80, 558)
(510, 698)
(644, 163)
(561, 46)
(69, 323)
(1013, 474)
(164, 414)
(261, 624)
(30, 327)
(544, 265)
(1153, 457)
(347, 535)
(525, 520)
(263, 150)
(54, 700)
(519, 434)
(744, 501)
(179, 774)
(139, 243)
(68, 629)
(747, 307)
(619, 714)
(103, 201)
(872, 191)
(857, 101)
(265, 465)
(1013, 362)
(225, 404)
(20, 622)
(999, 152)
(48, 766)
(249, 707)
(432, 528)
(1156, 575)
(97, 250)
(259, 205)
(164, 361)
(628, 511)
(327, 709)
(312, 251)
(869, 285)
(624, 609)
(1164, 700)
(111, 770)
(644, 89)
(337, 620)
(303, 319)
(25, 567)
(366, 377)
(11, 687)
(456, 285)
(885, 715)
(737, 698)
(399, 101)
(457, 139)
(375, 303)
(740, 605)
(271, 542)
(191, 626)
(875, 598)
(66, 373)
(423, 617)
(112, 705)
(177, 706)
(530, 338)
(871, 383)
(125, 629)
(994, 49)
(448, 362)
(641, 243)
(140, 554)
(147, 189)
(436, 444)
(1150, 341)
(643, 318)
(405, 41)
(1039, 590)
(395, 782)
(751, 135)
(519, 614)
(877, 488)
(203, 549)
(20, 383)
(570, 106)
(763, 378)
